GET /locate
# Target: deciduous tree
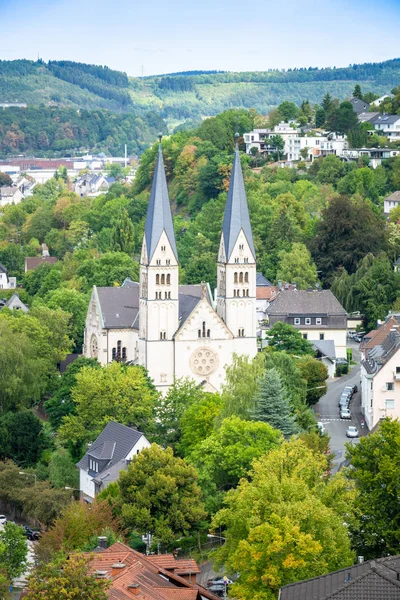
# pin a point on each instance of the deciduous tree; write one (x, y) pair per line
(284, 337)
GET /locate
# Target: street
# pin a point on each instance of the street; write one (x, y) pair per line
(327, 410)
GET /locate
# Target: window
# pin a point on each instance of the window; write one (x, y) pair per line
(163, 248)
(241, 333)
(307, 321)
(158, 262)
(397, 370)
(296, 321)
(168, 262)
(163, 335)
(321, 336)
(390, 404)
(124, 353)
(236, 260)
(163, 279)
(235, 278)
(119, 349)
(246, 260)
(246, 278)
(199, 332)
(168, 279)
(241, 246)
(305, 336)
(390, 386)
(318, 321)
(240, 277)
(234, 293)
(208, 333)
(157, 279)
(114, 353)
(204, 329)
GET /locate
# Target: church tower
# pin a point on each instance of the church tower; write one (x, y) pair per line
(159, 285)
(236, 277)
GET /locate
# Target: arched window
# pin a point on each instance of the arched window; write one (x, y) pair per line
(114, 353)
(119, 349)
(240, 277)
(199, 333)
(204, 329)
(157, 279)
(163, 279)
(235, 279)
(246, 278)
(168, 279)
(208, 333)
(124, 353)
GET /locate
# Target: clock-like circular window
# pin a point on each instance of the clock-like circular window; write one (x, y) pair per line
(94, 349)
(204, 361)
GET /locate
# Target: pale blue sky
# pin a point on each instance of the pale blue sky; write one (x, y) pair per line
(177, 35)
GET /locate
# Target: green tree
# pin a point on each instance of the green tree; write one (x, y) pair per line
(241, 384)
(76, 304)
(5, 180)
(342, 119)
(13, 550)
(375, 471)
(272, 405)
(21, 438)
(278, 143)
(357, 93)
(160, 494)
(331, 170)
(62, 470)
(327, 104)
(320, 117)
(123, 235)
(67, 575)
(198, 421)
(116, 392)
(285, 523)
(288, 110)
(315, 374)
(297, 266)
(284, 337)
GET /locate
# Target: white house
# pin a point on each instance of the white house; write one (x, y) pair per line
(387, 125)
(109, 454)
(14, 303)
(380, 374)
(178, 331)
(381, 99)
(6, 282)
(259, 138)
(316, 313)
(391, 202)
(10, 195)
(92, 184)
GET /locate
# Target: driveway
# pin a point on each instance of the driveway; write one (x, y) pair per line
(327, 410)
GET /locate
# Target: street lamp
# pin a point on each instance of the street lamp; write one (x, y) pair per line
(31, 474)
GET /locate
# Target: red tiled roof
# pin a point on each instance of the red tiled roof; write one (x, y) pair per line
(377, 336)
(266, 292)
(33, 262)
(180, 566)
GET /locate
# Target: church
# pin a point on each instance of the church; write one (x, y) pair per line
(173, 330)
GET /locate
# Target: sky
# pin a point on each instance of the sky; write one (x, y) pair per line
(163, 36)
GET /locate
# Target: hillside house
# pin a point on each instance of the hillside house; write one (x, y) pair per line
(10, 195)
(391, 202)
(6, 282)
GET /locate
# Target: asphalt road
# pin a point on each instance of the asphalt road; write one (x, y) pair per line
(327, 410)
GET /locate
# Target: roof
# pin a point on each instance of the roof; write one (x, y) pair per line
(113, 444)
(320, 302)
(236, 217)
(31, 263)
(261, 280)
(394, 197)
(159, 217)
(359, 106)
(377, 336)
(266, 293)
(3, 269)
(367, 116)
(8, 191)
(325, 347)
(380, 354)
(385, 119)
(371, 580)
(133, 574)
(119, 305)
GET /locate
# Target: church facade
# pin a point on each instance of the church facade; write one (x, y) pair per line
(174, 330)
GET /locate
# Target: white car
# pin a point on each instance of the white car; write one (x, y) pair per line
(3, 519)
(345, 413)
(321, 427)
(352, 432)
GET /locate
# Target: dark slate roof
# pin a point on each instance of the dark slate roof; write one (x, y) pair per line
(381, 353)
(359, 106)
(262, 281)
(119, 305)
(114, 443)
(189, 297)
(236, 215)
(297, 302)
(3, 269)
(325, 347)
(371, 580)
(159, 217)
(385, 119)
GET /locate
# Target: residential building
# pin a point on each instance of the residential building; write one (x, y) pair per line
(265, 293)
(109, 454)
(179, 331)
(93, 184)
(33, 262)
(154, 577)
(316, 313)
(380, 373)
(259, 138)
(10, 195)
(14, 303)
(6, 282)
(359, 106)
(391, 202)
(381, 99)
(387, 125)
(375, 155)
(326, 353)
(368, 580)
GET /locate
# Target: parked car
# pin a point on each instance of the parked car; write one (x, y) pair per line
(341, 361)
(321, 427)
(31, 534)
(345, 413)
(219, 581)
(344, 400)
(3, 519)
(352, 432)
(349, 389)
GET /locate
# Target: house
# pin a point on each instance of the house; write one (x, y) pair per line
(326, 353)
(387, 125)
(259, 138)
(381, 99)
(370, 580)
(175, 330)
(111, 452)
(391, 202)
(132, 574)
(10, 195)
(93, 184)
(6, 282)
(14, 303)
(375, 155)
(265, 292)
(359, 106)
(33, 262)
(380, 373)
(316, 313)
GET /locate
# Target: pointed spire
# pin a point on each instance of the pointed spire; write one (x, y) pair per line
(159, 217)
(236, 215)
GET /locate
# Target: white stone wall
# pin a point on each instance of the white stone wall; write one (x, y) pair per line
(339, 337)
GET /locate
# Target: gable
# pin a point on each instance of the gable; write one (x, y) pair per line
(203, 313)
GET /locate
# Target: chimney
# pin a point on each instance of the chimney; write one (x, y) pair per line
(102, 541)
(348, 578)
(117, 567)
(360, 560)
(134, 588)
(100, 574)
(279, 285)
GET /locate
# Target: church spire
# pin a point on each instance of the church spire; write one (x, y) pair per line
(159, 217)
(236, 217)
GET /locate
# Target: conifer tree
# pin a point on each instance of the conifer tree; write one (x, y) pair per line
(357, 92)
(272, 404)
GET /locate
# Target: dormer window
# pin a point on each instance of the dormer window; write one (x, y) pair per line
(93, 465)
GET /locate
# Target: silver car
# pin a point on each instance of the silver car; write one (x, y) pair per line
(352, 432)
(345, 413)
